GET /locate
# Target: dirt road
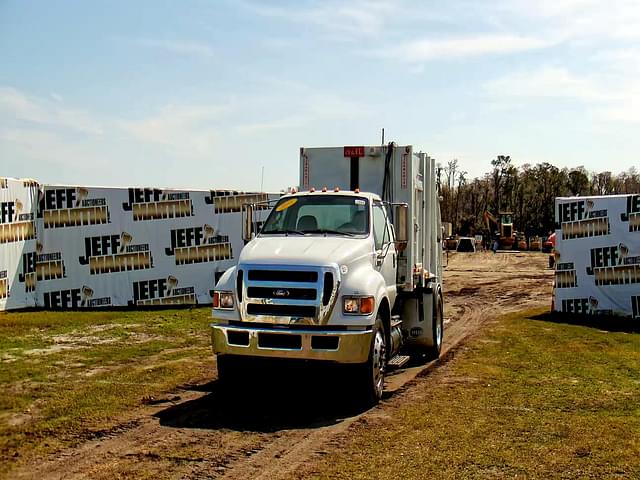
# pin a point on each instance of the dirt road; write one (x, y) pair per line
(196, 432)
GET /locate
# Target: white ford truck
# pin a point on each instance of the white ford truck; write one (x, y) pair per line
(347, 270)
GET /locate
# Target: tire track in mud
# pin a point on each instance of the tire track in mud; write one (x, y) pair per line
(280, 459)
(206, 435)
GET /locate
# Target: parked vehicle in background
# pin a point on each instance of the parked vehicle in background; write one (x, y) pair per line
(466, 244)
(521, 241)
(479, 240)
(535, 244)
(549, 244)
(347, 271)
(451, 243)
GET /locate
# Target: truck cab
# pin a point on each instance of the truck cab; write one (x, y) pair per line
(331, 277)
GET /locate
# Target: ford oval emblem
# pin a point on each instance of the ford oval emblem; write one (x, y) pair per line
(281, 292)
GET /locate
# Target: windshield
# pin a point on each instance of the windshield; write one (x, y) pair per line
(324, 213)
(505, 218)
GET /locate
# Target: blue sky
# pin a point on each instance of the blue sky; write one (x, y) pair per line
(203, 94)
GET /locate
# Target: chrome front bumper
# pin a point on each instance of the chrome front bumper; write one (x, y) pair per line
(343, 346)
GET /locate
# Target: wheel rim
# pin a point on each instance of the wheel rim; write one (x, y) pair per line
(439, 329)
(379, 351)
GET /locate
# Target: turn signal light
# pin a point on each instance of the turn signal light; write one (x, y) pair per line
(216, 299)
(366, 305)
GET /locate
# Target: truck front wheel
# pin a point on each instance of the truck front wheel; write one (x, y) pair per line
(371, 373)
(228, 369)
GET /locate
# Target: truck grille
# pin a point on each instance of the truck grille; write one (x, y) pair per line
(281, 310)
(276, 291)
(283, 276)
(291, 293)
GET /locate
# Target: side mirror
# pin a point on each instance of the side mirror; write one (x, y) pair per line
(401, 225)
(247, 231)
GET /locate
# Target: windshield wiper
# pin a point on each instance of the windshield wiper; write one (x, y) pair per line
(327, 230)
(286, 232)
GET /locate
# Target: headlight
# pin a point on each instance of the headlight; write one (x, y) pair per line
(223, 300)
(358, 305)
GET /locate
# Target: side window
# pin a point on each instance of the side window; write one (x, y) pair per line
(380, 233)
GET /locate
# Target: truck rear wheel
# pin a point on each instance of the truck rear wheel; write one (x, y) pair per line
(370, 375)
(437, 326)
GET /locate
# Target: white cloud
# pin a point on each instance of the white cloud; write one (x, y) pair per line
(618, 61)
(309, 108)
(584, 21)
(190, 129)
(177, 47)
(16, 105)
(627, 111)
(417, 51)
(607, 98)
(288, 122)
(51, 129)
(553, 8)
(507, 27)
(360, 17)
(548, 82)
(599, 67)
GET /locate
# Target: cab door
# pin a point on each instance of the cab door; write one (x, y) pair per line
(386, 255)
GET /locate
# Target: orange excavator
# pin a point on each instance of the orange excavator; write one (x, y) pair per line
(502, 228)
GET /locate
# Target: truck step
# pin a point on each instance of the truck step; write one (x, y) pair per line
(398, 361)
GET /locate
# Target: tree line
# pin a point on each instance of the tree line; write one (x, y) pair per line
(528, 192)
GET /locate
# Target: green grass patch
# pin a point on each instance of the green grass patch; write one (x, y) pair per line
(526, 399)
(66, 375)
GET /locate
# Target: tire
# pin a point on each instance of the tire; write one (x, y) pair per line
(370, 375)
(228, 370)
(437, 332)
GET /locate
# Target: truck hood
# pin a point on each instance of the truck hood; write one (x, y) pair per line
(308, 250)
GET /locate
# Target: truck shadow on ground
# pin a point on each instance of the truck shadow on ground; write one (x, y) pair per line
(606, 323)
(268, 403)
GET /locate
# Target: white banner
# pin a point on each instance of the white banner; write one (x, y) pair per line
(17, 243)
(598, 255)
(100, 247)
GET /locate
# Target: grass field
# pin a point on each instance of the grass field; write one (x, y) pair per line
(67, 376)
(526, 399)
